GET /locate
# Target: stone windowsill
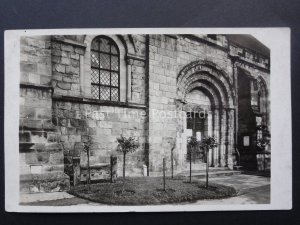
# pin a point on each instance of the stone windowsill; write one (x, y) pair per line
(36, 86)
(97, 102)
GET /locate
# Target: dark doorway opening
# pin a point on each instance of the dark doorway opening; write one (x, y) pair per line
(197, 127)
(246, 122)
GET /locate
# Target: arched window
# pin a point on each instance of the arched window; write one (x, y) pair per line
(105, 69)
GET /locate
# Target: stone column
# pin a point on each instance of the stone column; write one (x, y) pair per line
(128, 80)
(230, 138)
(223, 138)
(219, 137)
(81, 75)
(210, 133)
(214, 135)
(227, 137)
(183, 141)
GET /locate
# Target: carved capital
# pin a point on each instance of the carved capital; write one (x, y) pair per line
(129, 61)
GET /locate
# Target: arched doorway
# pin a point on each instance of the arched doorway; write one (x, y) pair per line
(202, 86)
(198, 118)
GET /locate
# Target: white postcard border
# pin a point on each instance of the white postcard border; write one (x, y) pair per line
(277, 39)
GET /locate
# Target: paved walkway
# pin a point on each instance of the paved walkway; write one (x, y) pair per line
(251, 189)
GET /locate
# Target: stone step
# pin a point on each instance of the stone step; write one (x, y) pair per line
(203, 169)
(212, 173)
(211, 169)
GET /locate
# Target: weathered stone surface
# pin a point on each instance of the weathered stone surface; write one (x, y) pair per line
(59, 68)
(72, 70)
(45, 80)
(24, 137)
(75, 56)
(44, 69)
(29, 67)
(48, 182)
(67, 48)
(65, 61)
(79, 51)
(56, 53)
(64, 85)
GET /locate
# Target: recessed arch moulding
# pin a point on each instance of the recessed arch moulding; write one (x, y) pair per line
(218, 87)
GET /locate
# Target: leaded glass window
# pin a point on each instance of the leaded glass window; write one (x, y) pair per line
(105, 69)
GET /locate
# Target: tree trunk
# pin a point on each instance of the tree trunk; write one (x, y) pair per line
(124, 163)
(207, 168)
(264, 154)
(172, 166)
(111, 169)
(164, 173)
(88, 169)
(190, 166)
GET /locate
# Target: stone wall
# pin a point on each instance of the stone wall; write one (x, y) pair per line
(138, 85)
(167, 57)
(80, 117)
(162, 96)
(79, 121)
(66, 66)
(41, 158)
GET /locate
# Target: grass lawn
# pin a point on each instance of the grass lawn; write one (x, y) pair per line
(149, 190)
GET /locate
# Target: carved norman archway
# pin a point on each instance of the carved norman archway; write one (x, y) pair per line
(218, 87)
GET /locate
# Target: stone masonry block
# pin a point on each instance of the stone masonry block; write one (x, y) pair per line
(65, 54)
(28, 67)
(56, 52)
(67, 48)
(72, 70)
(59, 68)
(31, 124)
(38, 137)
(28, 112)
(34, 78)
(80, 51)
(53, 147)
(55, 45)
(28, 50)
(74, 56)
(75, 62)
(45, 80)
(64, 85)
(75, 87)
(44, 69)
(43, 52)
(65, 61)
(74, 138)
(67, 78)
(24, 137)
(57, 76)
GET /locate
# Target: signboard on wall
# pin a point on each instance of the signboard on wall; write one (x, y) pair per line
(189, 132)
(246, 141)
(198, 135)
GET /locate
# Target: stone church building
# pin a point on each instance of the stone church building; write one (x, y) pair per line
(160, 89)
